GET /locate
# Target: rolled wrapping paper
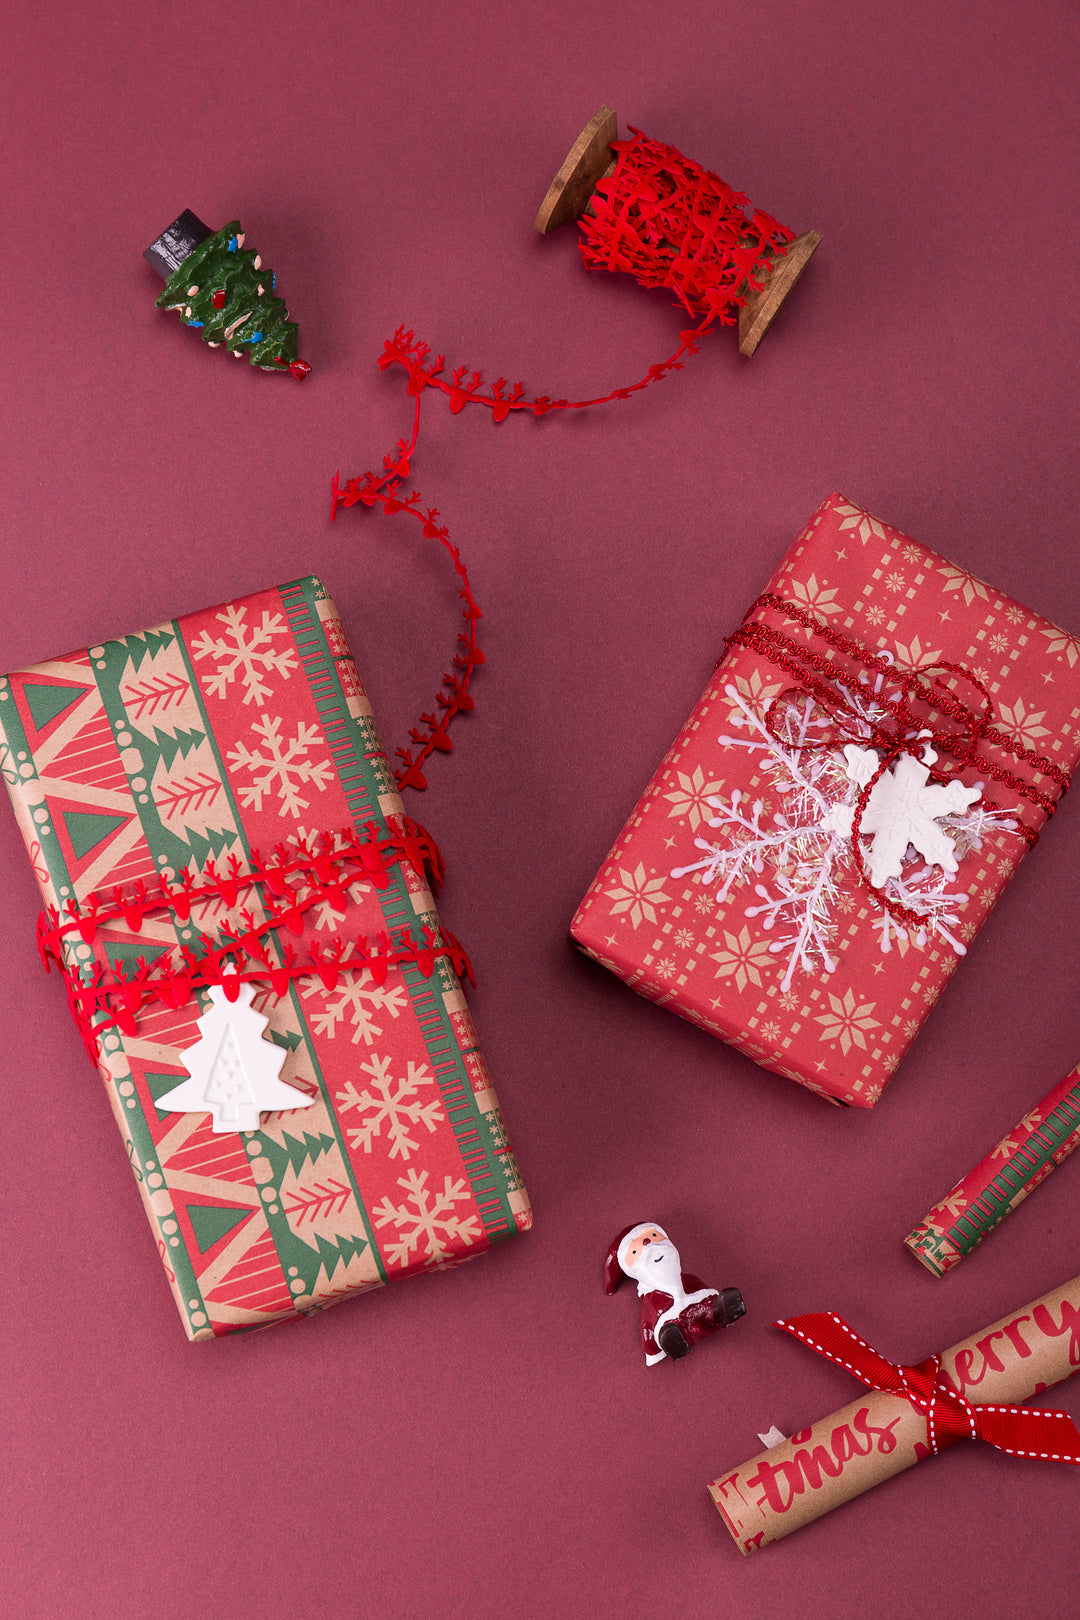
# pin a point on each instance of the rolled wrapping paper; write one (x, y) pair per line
(970, 1390)
(993, 1189)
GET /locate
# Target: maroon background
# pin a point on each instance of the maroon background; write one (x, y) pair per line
(489, 1442)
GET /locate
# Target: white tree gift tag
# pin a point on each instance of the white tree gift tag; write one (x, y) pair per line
(234, 1071)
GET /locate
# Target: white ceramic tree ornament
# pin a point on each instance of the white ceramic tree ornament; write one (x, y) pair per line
(903, 808)
(234, 1071)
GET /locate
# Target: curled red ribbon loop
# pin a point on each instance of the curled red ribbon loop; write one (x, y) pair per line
(1020, 1431)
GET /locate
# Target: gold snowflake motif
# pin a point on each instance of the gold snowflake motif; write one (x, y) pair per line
(913, 655)
(704, 904)
(1063, 644)
(952, 1205)
(689, 798)
(911, 553)
(896, 581)
(875, 614)
(1030, 1122)
(666, 968)
(848, 1022)
(1016, 615)
(685, 939)
(743, 959)
(771, 1032)
(756, 690)
(816, 598)
(1023, 722)
(1006, 1147)
(958, 579)
(999, 643)
(639, 895)
(864, 525)
(911, 1029)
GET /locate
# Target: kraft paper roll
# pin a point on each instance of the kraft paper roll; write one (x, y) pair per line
(880, 1434)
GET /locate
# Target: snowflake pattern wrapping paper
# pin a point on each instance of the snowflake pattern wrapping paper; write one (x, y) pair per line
(226, 732)
(732, 895)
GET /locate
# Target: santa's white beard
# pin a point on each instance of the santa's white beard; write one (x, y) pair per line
(659, 1270)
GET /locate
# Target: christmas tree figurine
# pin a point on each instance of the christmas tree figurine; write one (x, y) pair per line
(234, 1071)
(224, 290)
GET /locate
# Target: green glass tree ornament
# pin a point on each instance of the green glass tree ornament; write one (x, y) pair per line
(225, 291)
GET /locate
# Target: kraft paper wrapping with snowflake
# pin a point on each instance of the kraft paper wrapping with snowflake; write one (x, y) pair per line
(228, 732)
(733, 894)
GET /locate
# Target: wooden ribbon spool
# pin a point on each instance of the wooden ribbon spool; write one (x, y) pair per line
(591, 159)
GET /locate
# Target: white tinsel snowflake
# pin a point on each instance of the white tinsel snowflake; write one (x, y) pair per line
(808, 844)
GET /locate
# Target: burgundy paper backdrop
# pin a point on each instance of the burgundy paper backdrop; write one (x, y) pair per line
(489, 1442)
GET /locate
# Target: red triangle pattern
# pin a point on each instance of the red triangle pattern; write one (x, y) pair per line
(221, 1156)
(91, 757)
(256, 1283)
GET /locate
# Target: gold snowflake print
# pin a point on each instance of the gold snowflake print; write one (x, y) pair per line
(743, 959)
(848, 1022)
(639, 895)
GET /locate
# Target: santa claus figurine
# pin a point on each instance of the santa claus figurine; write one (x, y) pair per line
(676, 1308)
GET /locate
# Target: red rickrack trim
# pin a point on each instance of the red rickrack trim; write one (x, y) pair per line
(328, 865)
(819, 677)
(1020, 1431)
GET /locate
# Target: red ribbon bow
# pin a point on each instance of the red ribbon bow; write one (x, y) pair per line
(1021, 1431)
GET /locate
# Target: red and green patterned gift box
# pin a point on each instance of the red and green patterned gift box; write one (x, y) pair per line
(877, 750)
(209, 803)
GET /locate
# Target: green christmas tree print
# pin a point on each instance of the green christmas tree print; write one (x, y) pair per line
(226, 291)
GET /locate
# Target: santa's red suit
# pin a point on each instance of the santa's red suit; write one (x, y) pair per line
(669, 1295)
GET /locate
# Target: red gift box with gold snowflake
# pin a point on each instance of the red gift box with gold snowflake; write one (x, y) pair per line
(880, 744)
(243, 917)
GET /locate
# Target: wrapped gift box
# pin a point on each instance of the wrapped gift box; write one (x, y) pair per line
(218, 779)
(830, 987)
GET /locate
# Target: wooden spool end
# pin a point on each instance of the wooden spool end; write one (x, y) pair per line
(588, 160)
(761, 308)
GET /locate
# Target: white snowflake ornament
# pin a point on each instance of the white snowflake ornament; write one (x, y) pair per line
(233, 1070)
(903, 809)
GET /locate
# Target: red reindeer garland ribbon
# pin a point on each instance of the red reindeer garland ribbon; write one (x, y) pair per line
(298, 876)
(1020, 1431)
(819, 677)
(670, 223)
